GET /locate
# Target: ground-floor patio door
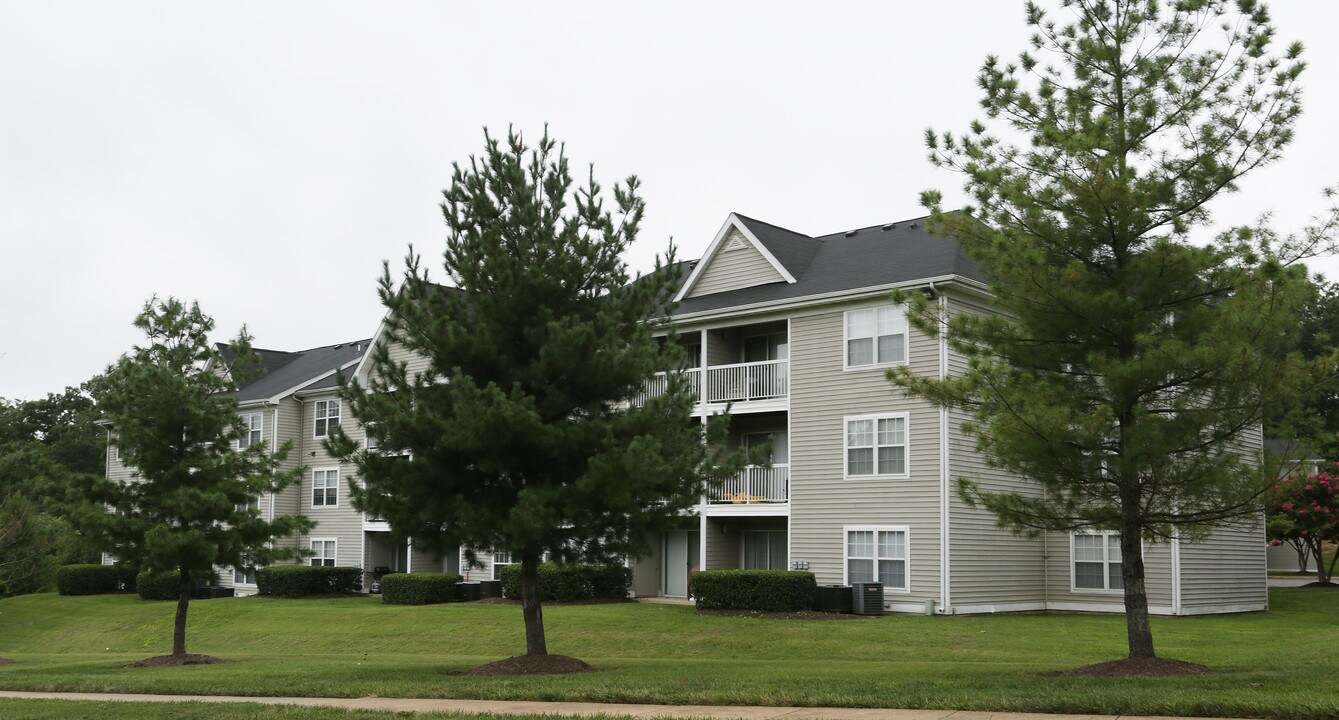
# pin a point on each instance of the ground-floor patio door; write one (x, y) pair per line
(681, 557)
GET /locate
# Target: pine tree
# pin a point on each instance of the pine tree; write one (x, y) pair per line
(519, 435)
(173, 410)
(1131, 363)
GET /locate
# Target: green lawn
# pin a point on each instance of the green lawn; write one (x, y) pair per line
(83, 710)
(1278, 664)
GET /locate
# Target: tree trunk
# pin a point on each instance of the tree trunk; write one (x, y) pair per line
(1137, 629)
(531, 607)
(1303, 556)
(183, 602)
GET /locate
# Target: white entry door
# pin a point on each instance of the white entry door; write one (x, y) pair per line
(682, 553)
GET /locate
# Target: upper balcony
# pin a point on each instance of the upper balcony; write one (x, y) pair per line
(746, 367)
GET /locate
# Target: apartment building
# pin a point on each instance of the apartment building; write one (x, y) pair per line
(793, 333)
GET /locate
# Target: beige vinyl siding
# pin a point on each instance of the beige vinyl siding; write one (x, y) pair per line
(424, 561)
(1228, 568)
(414, 362)
(988, 565)
(481, 570)
(723, 549)
(719, 350)
(289, 426)
(822, 502)
(735, 269)
(342, 522)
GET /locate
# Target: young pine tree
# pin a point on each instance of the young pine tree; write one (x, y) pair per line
(519, 436)
(1130, 366)
(172, 408)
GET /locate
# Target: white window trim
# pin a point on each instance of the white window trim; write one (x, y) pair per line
(876, 417)
(846, 340)
(242, 571)
(339, 416)
(493, 570)
(339, 491)
(1106, 565)
(260, 427)
(876, 529)
(311, 542)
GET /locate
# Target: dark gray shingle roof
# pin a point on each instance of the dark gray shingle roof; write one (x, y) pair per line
(867, 257)
(298, 367)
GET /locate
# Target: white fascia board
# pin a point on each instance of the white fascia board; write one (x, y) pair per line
(361, 371)
(820, 299)
(731, 222)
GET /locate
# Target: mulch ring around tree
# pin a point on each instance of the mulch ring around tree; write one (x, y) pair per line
(166, 660)
(1163, 667)
(532, 665)
(1319, 584)
(792, 615)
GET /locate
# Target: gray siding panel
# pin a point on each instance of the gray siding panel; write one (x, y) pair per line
(343, 523)
(822, 502)
(1228, 568)
(734, 269)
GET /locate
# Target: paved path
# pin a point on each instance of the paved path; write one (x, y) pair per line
(521, 707)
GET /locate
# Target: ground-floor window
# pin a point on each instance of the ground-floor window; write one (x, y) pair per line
(246, 574)
(323, 553)
(501, 559)
(764, 549)
(1097, 560)
(877, 554)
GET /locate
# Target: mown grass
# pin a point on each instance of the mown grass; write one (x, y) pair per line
(1275, 664)
(84, 710)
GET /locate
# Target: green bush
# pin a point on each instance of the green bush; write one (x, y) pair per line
(94, 579)
(766, 590)
(157, 587)
(305, 581)
(428, 588)
(568, 582)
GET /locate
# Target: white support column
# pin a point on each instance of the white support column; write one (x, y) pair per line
(702, 540)
(409, 555)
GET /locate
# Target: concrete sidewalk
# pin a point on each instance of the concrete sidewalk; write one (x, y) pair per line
(580, 709)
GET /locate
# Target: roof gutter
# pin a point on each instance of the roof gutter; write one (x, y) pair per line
(837, 296)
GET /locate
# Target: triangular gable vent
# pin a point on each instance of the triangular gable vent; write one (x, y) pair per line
(736, 244)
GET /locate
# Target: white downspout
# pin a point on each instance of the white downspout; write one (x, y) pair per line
(945, 476)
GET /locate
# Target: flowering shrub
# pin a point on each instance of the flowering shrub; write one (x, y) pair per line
(1304, 512)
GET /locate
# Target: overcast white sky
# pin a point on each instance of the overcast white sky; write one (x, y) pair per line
(264, 158)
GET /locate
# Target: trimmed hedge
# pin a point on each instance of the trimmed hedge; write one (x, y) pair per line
(568, 582)
(765, 590)
(429, 588)
(304, 580)
(94, 579)
(157, 587)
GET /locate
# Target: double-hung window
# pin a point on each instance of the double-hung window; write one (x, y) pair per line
(1097, 561)
(323, 553)
(878, 554)
(876, 337)
(876, 446)
(246, 574)
(327, 417)
(252, 429)
(325, 488)
(501, 559)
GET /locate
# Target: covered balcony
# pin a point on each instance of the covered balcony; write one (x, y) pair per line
(747, 366)
(754, 485)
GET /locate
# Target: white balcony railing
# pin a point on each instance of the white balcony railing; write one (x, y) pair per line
(658, 383)
(755, 485)
(748, 381)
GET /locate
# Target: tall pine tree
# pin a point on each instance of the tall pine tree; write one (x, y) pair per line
(1130, 366)
(519, 436)
(192, 505)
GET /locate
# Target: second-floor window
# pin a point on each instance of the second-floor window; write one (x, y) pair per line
(327, 417)
(252, 427)
(876, 336)
(876, 445)
(325, 488)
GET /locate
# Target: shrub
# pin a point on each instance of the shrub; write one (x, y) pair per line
(93, 579)
(766, 590)
(428, 588)
(157, 587)
(305, 581)
(568, 582)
